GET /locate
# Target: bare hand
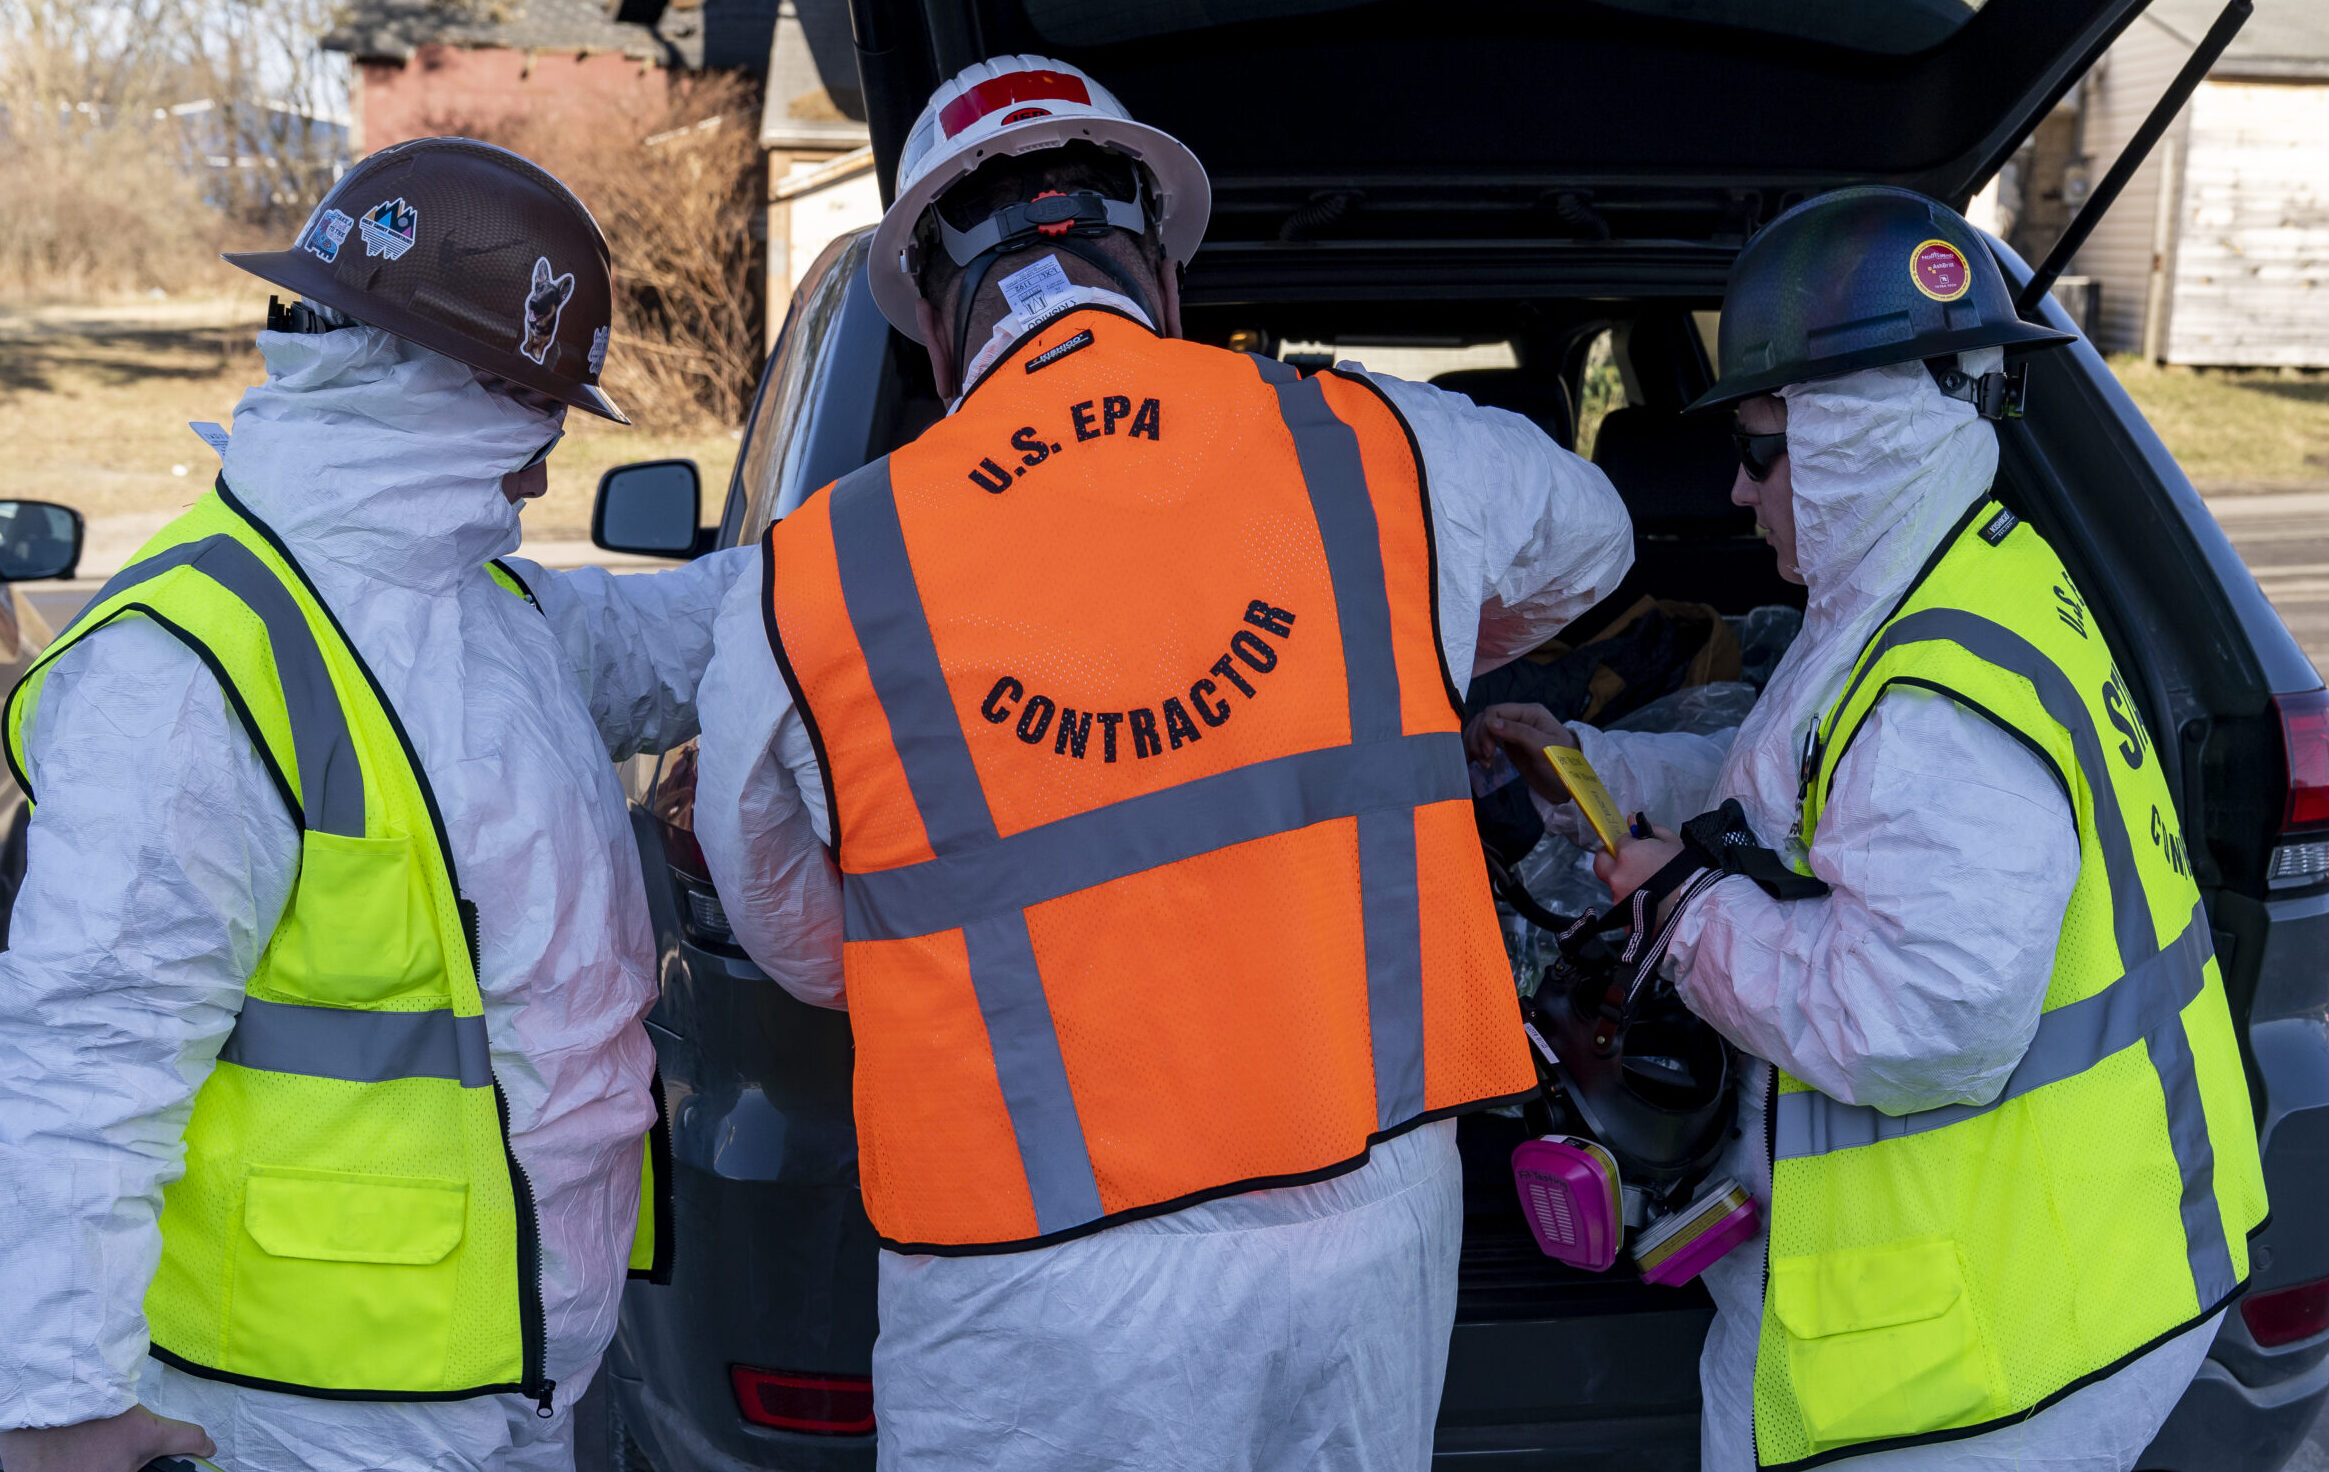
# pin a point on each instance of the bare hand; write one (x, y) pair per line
(1636, 861)
(123, 1443)
(1523, 731)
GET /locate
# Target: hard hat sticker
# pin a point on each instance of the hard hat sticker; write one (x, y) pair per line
(324, 236)
(598, 350)
(1025, 114)
(388, 228)
(546, 297)
(1939, 270)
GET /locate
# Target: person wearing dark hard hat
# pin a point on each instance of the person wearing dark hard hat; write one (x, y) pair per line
(1099, 751)
(2002, 1140)
(325, 1110)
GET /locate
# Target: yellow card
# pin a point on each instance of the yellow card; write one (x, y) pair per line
(1592, 798)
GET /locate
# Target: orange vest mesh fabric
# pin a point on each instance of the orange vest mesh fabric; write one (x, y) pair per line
(1157, 853)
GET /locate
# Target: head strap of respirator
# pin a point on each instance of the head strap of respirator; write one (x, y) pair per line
(1056, 219)
(1996, 395)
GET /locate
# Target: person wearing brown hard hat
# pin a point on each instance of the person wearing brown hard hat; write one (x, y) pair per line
(327, 1114)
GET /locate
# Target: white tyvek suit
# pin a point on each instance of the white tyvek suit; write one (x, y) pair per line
(161, 858)
(1303, 1327)
(1951, 852)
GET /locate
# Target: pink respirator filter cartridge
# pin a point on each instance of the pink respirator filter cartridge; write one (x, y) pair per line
(1680, 1247)
(1569, 1192)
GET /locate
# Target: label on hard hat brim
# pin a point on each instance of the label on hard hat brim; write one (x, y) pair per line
(323, 238)
(1939, 270)
(1025, 114)
(388, 228)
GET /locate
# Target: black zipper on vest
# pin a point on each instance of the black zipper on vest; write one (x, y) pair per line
(536, 1330)
(533, 1327)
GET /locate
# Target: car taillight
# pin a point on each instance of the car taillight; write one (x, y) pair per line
(821, 1405)
(2301, 856)
(2287, 1315)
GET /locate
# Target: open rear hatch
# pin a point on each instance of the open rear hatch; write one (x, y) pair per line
(1575, 146)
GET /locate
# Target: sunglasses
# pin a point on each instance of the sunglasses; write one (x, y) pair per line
(1759, 452)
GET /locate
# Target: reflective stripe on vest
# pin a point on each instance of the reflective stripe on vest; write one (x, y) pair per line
(989, 886)
(332, 786)
(1936, 1274)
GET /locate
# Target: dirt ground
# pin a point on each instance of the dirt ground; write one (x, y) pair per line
(97, 400)
(2236, 427)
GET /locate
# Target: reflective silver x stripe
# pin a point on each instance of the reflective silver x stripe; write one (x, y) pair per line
(2145, 1004)
(1328, 451)
(877, 585)
(331, 782)
(361, 1047)
(1156, 828)
(2070, 1040)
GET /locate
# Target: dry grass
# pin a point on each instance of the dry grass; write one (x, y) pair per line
(676, 190)
(2236, 427)
(97, 400)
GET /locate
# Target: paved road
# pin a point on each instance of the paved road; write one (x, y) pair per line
(59, 601)
(2284, 538)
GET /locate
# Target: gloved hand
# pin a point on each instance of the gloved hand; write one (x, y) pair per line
(1635, 862)
(123, 1443)
(1524, 731)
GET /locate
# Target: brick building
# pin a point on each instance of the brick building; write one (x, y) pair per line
(420, 67)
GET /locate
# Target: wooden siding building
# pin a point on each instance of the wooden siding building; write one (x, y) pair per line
(2218, 251)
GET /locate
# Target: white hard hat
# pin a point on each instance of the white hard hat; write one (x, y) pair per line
(1013, 105)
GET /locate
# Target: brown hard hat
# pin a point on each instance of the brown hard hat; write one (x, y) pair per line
(468, 250)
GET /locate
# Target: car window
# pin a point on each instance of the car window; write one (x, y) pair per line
(1419, 362)
(1600, 389)
(776, 446)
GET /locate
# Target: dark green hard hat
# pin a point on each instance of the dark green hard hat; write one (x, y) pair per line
(1861, 278)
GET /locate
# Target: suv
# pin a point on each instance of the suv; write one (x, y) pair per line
(1539, 200)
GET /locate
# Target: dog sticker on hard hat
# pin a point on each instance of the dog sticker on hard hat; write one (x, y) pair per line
(546, 298)
(1153, 729)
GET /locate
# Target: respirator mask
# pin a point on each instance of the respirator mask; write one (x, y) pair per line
(1639, 1096)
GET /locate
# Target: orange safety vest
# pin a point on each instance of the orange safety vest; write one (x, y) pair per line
(1158, 868)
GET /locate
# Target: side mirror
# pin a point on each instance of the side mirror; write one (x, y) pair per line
(649, 508)
(38, 539)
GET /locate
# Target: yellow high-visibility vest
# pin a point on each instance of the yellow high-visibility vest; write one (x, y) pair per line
(351, 1221)
(1932, 1275)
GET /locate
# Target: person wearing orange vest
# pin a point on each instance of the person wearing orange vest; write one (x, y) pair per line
(1099, 751)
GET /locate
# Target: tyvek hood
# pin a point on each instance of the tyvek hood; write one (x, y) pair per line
(1883, 465)
(373, 452)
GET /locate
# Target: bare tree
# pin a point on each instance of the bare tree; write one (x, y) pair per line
(94, 194)
(272, 122)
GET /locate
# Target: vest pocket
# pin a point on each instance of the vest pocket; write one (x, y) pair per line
(358, 929)
(1880, 1341)
(344, 1280)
